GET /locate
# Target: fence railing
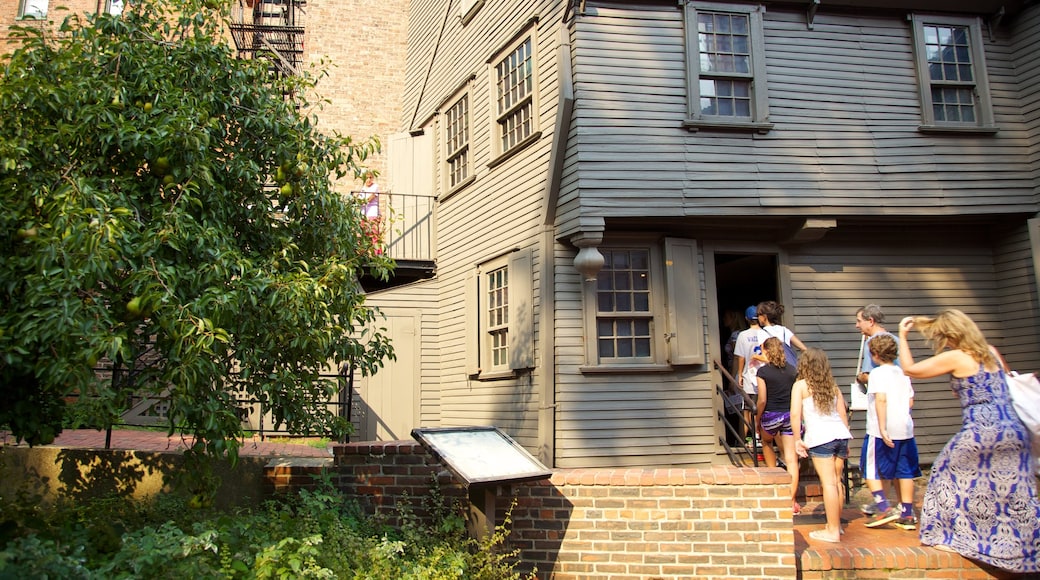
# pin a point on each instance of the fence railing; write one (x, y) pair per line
(407, 223)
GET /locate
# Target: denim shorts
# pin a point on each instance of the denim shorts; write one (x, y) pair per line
(837, 448)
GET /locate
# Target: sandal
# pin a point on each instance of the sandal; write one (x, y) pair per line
(796, 509)
(822, 536)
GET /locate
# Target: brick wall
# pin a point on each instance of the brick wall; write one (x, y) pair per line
(717, 522)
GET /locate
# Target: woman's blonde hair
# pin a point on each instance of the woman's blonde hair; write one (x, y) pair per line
(953, 329)
(815, 369)
(774, 351)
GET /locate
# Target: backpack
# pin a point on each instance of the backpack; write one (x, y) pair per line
(789, 352)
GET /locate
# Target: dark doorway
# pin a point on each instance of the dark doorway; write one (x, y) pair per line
(741, 280)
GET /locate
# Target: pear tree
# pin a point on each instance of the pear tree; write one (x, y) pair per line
(175, 213)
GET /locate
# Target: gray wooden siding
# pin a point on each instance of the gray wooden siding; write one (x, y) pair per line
(1025, 40)
(626, 419)
(1016, 283)
(496, 213)
(843, 97)
(907, 272)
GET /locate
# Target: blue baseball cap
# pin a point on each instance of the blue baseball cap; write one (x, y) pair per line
(751, 313)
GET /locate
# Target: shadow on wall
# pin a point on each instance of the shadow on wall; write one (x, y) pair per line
(53, 474)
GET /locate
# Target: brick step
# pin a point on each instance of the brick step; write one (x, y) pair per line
(877, 553)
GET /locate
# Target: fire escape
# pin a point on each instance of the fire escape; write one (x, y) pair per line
(271, 30)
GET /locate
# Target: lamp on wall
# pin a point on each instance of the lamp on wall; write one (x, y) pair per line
(589, 260)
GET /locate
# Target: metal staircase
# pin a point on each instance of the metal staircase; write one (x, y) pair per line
(272, 30)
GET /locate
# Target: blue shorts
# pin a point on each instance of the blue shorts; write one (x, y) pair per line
(777, 422)
(838, 448)
(879, 461)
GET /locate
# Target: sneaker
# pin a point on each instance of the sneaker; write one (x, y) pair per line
(868, 509)
(879, 519)
(907, 523)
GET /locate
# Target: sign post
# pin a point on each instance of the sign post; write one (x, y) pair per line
(484, 458)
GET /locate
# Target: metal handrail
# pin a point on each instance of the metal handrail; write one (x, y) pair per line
(749, 427)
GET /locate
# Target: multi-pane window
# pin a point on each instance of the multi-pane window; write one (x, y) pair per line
(948, 51)
(726, 67)
(32, 9)
(951, 70)
(724, 42)
(456, 137)
(515, 96)
(644, 309)
(624, 320)
(497, 299)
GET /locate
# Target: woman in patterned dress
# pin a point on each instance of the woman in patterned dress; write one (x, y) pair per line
(981, 500)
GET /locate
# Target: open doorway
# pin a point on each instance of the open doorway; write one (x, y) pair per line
(741, 280)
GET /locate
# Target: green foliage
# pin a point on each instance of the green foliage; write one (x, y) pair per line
(313, 535)
(142, 172)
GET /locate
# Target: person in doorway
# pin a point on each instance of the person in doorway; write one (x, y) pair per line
(889, 449)
(770, 314)
(981, 500)
(775, 380)
(745, 365)
(817, 400)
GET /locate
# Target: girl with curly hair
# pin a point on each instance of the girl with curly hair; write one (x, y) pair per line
(817, 400)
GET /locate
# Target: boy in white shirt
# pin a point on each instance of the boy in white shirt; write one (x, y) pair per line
(889, 449)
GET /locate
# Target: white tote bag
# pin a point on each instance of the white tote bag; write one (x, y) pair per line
(1025, 398)
(857, 394)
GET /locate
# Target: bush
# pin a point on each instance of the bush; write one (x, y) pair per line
(318, 534)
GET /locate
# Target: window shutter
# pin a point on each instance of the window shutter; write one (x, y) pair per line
(521, 311)
(473, 326)
(685, 317)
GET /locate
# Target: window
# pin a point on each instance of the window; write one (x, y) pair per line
(644, 308)
(514, 97)
(456, 142)
(952, 74)
(726, 67)
(497, 284)
(624, 323)
(32, 9)
(499, 325)
(114, 7)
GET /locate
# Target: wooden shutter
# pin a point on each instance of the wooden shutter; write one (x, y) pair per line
(521, 311)
(473, 326)
(685, 316)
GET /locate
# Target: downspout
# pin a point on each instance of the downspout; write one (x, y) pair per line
(547, 288)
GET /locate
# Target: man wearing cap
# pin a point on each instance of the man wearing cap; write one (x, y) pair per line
(745, 368)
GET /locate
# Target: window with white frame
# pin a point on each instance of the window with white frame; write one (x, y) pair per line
(114, 7)
(951, 67)
(644, 309)
(499, 324)
(514, 97)
(496, 284)
(456, 142)
(725, 64)
(32, 9)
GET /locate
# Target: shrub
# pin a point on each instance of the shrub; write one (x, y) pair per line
(317, 534)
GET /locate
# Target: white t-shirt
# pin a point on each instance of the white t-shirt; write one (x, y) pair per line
(776, 331)
(747, 346)
(890, 380)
